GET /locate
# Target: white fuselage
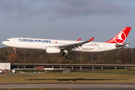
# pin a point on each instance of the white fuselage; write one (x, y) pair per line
(35, 43)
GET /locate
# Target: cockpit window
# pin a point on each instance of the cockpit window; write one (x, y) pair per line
(7, 40)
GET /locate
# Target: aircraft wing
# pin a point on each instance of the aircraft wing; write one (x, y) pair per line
(74, 45)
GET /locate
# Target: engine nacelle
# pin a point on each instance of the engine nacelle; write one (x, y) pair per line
(52, 50)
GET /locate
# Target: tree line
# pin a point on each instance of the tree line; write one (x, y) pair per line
(119, 56)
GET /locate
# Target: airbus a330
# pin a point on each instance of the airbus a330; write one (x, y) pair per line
(64, 46)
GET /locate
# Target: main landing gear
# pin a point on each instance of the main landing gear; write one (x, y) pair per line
(65, 53)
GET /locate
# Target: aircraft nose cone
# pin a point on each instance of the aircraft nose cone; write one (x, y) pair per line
(4, 42)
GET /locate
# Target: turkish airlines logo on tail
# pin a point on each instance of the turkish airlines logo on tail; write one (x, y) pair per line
(120, 38)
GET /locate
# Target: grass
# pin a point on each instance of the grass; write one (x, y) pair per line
(95, 76)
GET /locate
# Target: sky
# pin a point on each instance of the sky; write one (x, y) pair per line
(67, 19)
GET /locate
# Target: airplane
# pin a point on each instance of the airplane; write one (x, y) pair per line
(64, 46)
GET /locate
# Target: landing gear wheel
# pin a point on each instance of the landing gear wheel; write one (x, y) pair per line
(66, 55)
(63, 54)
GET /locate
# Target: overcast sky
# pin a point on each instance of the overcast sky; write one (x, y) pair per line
(66, 19)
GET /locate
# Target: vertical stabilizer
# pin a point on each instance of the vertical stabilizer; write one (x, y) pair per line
(121, 36)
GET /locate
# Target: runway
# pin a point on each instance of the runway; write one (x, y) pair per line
(70, 86)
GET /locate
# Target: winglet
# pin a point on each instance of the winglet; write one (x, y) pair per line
(91, 39)
(79, 39)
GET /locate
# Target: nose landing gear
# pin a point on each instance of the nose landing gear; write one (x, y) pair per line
(14, 50)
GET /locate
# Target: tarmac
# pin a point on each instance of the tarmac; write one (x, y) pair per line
(70, 86)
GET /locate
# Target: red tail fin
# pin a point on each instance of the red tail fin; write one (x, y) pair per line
(121, 36)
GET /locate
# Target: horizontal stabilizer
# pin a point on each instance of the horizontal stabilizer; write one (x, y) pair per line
(122, 45)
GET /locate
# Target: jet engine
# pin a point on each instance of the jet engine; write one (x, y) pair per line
(52, 50)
